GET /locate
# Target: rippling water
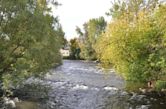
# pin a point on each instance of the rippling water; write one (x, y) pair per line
(83, 85)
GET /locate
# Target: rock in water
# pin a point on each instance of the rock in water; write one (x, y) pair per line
(16, 100)
(143, 107)
(9, 103)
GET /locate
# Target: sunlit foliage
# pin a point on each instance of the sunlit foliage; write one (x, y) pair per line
(134, 41)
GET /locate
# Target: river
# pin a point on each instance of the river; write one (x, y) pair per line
(83, 85)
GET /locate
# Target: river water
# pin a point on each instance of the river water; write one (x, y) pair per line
(83, 85)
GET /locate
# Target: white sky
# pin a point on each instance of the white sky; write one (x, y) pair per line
(74, 13)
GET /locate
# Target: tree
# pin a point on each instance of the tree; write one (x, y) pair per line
(74, 49)
(135, 41)
(92, 30)
(131, 7)
(29, 40)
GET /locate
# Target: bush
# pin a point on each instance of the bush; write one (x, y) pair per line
(160, 85)
(30, 39)
(136, 47)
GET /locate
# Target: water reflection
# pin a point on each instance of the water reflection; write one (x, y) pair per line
(32, 96)
(27, 105)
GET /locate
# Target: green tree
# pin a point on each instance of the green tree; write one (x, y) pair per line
(135, 41)
(74, 49)
(131, 8)
(30, 40)
(92, 30)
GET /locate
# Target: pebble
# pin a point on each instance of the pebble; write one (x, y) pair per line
(124, 93)
(143, 107)
(11, 103)
(16, 100)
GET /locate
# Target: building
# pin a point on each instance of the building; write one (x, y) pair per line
(65, 52)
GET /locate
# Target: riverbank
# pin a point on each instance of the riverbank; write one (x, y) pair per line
(66, 95)
(82, 85)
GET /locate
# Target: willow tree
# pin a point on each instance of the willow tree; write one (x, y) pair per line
(30, 39)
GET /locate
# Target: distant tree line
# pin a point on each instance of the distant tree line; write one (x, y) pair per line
(88, 38)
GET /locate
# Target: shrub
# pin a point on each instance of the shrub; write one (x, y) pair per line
(160, 85)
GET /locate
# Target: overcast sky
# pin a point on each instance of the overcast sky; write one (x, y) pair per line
(74, 13)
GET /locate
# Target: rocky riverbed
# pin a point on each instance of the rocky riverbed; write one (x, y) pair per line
(83, 85)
